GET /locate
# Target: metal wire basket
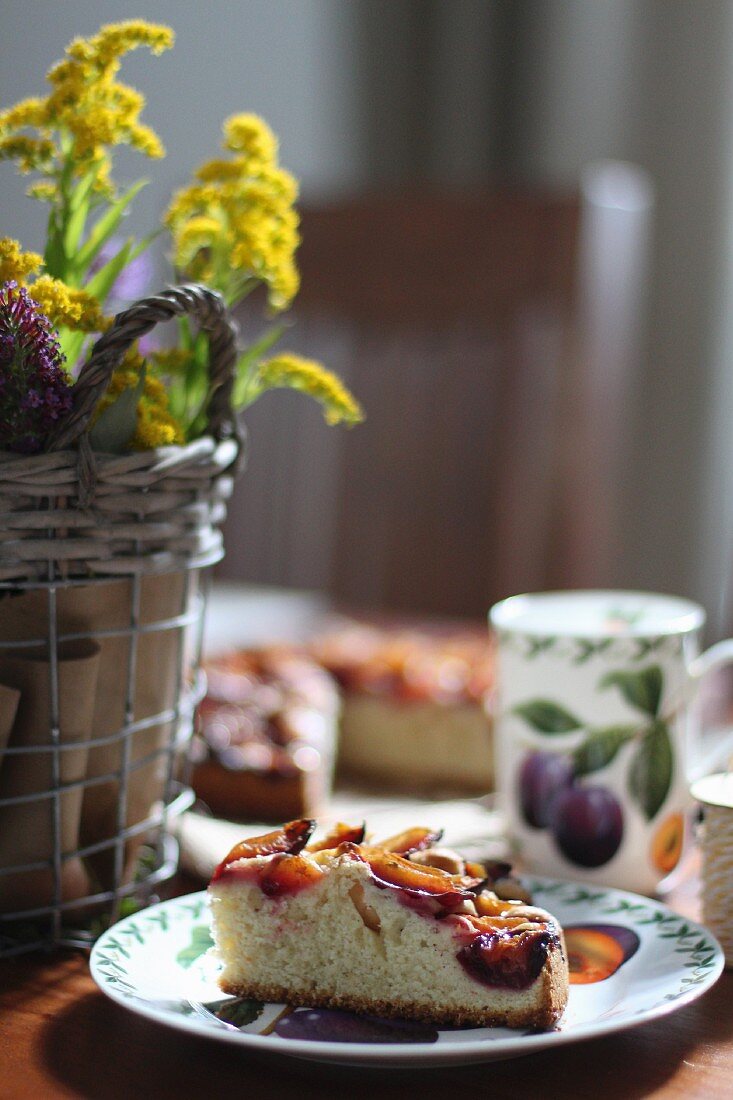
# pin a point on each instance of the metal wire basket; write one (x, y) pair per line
(103, 575)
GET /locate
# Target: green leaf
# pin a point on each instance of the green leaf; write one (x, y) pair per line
(101, 282)
(247, 361)
(601, 747)
(642, 690)
(239, 1012)
(54, 258)
(650, 775)
(78, 211)
(116, 425)
(200, 943)
(104, 227)
(547, 717)
(71, 343)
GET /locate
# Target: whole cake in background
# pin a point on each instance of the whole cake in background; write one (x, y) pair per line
(413, 705)
(267, 736)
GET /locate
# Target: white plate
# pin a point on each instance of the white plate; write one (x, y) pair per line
(156, 963)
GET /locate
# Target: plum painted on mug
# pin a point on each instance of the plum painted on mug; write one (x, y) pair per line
(596, 730)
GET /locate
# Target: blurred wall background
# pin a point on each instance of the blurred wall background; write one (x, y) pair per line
(373, 96)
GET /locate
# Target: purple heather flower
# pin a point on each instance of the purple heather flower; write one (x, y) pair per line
(31, 399)
(34, 388)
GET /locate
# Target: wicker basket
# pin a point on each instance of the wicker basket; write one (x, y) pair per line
(101, 613)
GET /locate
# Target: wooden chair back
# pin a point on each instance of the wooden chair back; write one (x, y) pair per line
(455, 319)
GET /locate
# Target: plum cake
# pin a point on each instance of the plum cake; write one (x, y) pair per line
(401, 928)
(414, 705)
(268, 734)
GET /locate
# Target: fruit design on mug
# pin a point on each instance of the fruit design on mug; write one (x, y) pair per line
(666, 846)
(584, 817)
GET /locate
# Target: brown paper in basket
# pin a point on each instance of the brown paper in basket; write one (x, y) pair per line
(107, 606)
(26, 828)
(8, 706)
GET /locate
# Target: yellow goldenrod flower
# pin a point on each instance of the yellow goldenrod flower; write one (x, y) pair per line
(65, 306)
(128, 102)
(115, 39)
(219, 171)
(155, 391)
(30, 153)
(87, 110)
(67, 74)
(146, 141)
(281, 183)
(103, 184)
(250, 135)
(197, 233)
(189, 200)
(29, 112)
(155, 427)
(171, 361)
(285, 285)
(44, 190)
(294, 372)
(236, 224)
(274, 192)
(68, 306)
(14, 264)
(123, 378)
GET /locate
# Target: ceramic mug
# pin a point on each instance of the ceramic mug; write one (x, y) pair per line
(597, 730)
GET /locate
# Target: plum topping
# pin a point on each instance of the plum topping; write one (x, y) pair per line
(290, 839)
(413, 880)
(445, 859)
(342, 834)
(496, 869)
(411, 840)
(286, 874)
(509, 959)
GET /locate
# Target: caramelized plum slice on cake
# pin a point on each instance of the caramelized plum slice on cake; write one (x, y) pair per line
(414, 880)
(289, 840)
(411, 840)
(288, 874)
(341, 834)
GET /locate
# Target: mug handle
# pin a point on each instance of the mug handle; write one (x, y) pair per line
(718, 656)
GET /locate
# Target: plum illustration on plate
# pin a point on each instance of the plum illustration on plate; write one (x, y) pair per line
(596, 951)
(587, 825)
(542, 776)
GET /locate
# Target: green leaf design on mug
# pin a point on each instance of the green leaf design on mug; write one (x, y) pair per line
(547, 717)
(601, 747)
(642, 690)
(650, 775)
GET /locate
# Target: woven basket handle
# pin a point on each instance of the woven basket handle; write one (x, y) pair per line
(207, 308)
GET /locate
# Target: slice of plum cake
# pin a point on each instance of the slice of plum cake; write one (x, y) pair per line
(401, 928)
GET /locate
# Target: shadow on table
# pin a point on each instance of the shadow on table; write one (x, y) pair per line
(99, 1050)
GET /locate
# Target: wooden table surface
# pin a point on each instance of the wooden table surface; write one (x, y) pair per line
(60, 1037)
